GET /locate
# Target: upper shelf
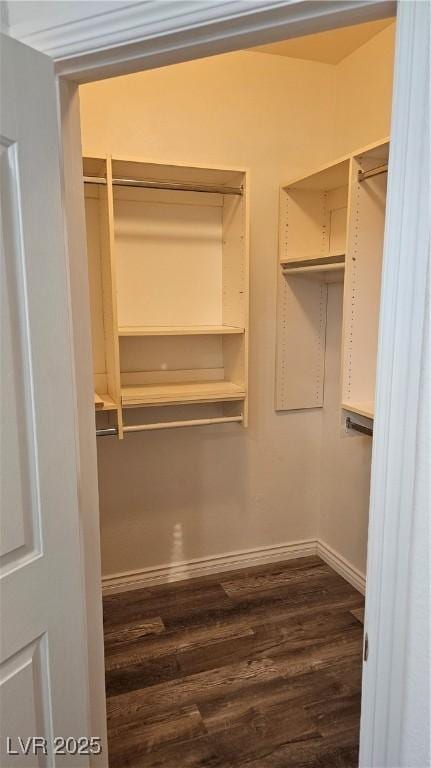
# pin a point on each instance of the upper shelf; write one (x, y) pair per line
(132, 172)
(334, 175)
(326, 178)
(178, 330)
(328, 269)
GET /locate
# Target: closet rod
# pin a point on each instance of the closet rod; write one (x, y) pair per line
(362, 175)
(169, 185)
(358, 427)
(168, 425)
(94, 180)
(106, 431)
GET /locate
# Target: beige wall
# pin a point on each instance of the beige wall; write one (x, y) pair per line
(187, 494)
(364, 93)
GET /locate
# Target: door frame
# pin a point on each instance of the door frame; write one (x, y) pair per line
(131, 38)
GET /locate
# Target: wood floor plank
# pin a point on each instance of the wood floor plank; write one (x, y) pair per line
(200, 752)
(273, 580)
(258, 734)
(271, 639)
(133, 739)
(141, 675)
(303, 690)
(190, 689)
(305, 598)
(203, 686)
(339, 751)
(172, 642)
(144, 604)
(294, 564)
(337, 714)
(258, 668)
(129, 632)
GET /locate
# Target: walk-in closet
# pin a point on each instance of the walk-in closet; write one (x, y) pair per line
(235, 217)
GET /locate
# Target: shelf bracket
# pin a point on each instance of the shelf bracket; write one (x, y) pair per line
(358, 427)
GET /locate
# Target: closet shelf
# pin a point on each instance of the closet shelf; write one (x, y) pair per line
(183, 392)
(326, 268)
(365, 408)
(104, 402)
(333, 261)
(178, 330)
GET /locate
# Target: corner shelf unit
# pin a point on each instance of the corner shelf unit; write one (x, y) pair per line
(363, 278)
(312, 240)
(331, 230)
(168, 271)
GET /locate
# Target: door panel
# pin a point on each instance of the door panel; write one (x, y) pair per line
(43, 657)
(19, 522)
(23, 681)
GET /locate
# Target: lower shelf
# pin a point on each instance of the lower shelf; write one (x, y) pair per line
(179, 330)
(184, 392)
(365, 408)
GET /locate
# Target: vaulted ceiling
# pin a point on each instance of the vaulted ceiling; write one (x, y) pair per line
(328, 47)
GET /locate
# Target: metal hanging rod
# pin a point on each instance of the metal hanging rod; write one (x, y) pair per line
(107, 432)
(359, 427)
(362, 175)
(94, 180)
(173, 186)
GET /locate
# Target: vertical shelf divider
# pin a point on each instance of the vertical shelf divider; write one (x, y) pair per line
(109, 288)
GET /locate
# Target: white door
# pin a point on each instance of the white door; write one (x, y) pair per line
(43, 683)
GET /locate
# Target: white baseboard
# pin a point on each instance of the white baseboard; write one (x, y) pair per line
(121, 582)
(342, 566)
(210, 566)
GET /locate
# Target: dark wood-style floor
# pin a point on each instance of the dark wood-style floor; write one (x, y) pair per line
(259, 668)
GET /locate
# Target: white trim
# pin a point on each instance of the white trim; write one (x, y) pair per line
(130, 37)
(341, 565)
(207, 566)
(79, 311)
(104, 25)
(246, 558)
(402, 318)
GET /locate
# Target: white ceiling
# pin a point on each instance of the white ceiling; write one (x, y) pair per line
(328, 47)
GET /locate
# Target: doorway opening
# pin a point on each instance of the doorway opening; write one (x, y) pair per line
(203, 302)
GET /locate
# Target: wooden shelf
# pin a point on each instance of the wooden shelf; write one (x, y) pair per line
(183, 392)
(362, 409)
(315, 268)
(104, 402)
(327, 177)
(327, 269)
(178, 330)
